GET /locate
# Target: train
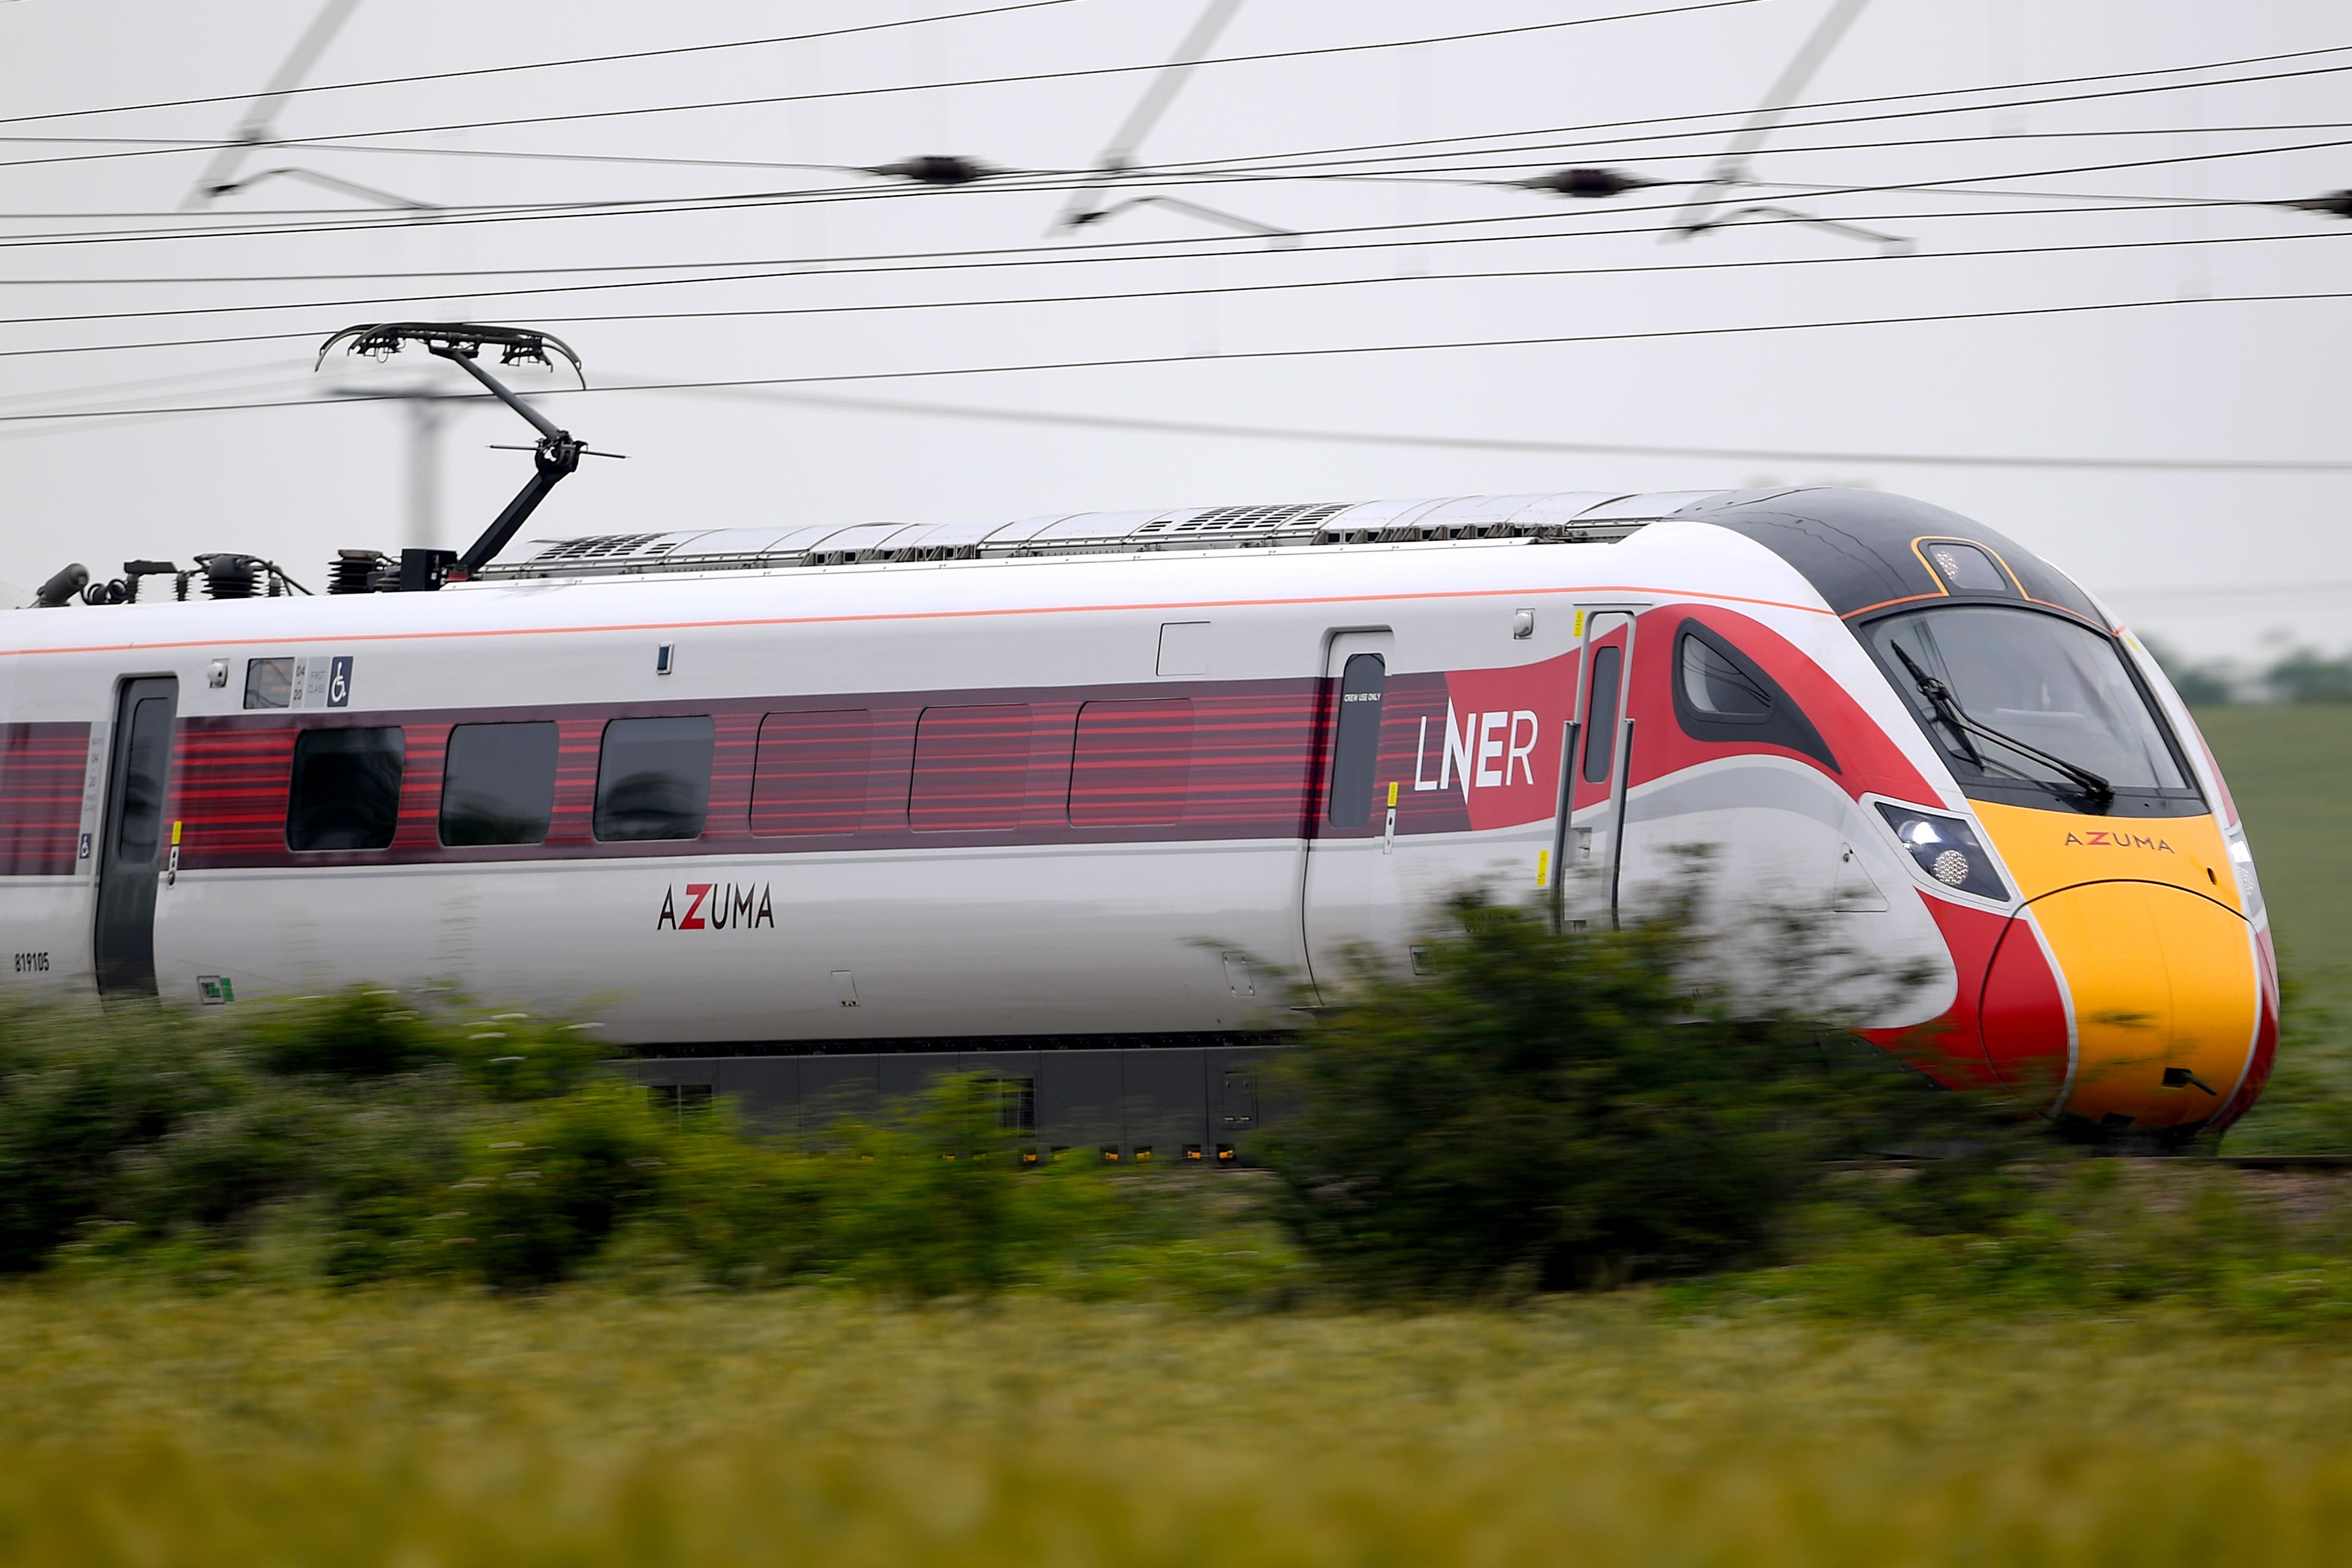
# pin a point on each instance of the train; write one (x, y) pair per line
(1091, 803)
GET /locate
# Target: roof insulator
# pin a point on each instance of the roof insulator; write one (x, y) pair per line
(2335, 204)
(1589, 183)
(938, 169)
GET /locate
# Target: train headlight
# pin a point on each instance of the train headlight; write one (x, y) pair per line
(1947, 849)
(2241, 863)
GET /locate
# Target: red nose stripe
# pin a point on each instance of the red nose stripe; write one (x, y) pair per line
(2023, 1016)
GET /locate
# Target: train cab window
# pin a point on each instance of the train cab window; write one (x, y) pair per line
(653, 778)
(1601, 713)
(1131, 763)
(498, 786)
(811, 772)
(971, 769)
(346, 788)
(1356, 741)
(2026, 706)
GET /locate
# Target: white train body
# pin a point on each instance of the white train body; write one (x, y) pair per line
(1070, 779)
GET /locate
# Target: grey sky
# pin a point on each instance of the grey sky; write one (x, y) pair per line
(2212, 562)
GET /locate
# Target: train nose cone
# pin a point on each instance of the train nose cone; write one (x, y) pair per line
(2161, 986)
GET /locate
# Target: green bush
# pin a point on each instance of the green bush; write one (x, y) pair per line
(80, 1096)
(361, 1137)
(1561, 1110)
(542, 1199)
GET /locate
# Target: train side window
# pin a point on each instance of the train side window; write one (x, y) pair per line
(1715, 686)
(269, 683)
(1724, 696)
(498, 785)
(653, 778)
(346, 788)
(1601, 713)
(811, 774)
(1356, 743)
(1132, 764)
(971, 769)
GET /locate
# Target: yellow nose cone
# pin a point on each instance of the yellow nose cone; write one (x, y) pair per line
(2164, 992)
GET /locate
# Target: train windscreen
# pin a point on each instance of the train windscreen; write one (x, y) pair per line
(2021, 700)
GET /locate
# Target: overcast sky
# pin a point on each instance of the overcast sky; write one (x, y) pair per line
(2214, 561)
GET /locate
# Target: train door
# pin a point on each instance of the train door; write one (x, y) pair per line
(1352, 893)
(1592, 791)
(132, 836)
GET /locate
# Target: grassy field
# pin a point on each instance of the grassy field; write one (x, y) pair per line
(2289, 770)
(211, 1422)
(589, 1430)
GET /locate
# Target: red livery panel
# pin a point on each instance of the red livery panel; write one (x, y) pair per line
(41, 775)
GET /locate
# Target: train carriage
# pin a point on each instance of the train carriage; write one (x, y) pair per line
(808, 807)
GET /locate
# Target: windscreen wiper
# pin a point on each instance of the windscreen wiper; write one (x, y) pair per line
(1955, 719)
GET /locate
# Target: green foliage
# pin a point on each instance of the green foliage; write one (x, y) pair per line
(360, 1033)
(2306, 676)
(362, 1138)
(940, 1204)
(79, 1097)
(2100, 1235)
(1559, 1110)
(2306, 1108)
(2202, 684)
(542, 1199)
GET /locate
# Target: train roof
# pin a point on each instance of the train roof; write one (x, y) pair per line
(1577, 516)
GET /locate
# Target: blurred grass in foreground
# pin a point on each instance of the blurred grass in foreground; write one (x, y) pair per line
(589, 1429)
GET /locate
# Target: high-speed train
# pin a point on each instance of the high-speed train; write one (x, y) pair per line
(810, 807)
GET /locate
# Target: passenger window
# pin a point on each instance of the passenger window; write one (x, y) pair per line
(971, 769)
(811, 773)
(1714, 686)
(1132, 764)
(1356, 743)
(346, 790)
(653, 778)
(1601, 713)
(498, 785)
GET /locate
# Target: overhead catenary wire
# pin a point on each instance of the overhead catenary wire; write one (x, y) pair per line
(1273, 162)
(417, 77)
(1636, 124)
(1031, 182)
(202, 144)
(1536, 445)
(1090, 252)
(369, 220)
(1551, 151)
(921, 267)
(1413, 280)
(1148, 425)
(891, 88)
(1240, 356)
